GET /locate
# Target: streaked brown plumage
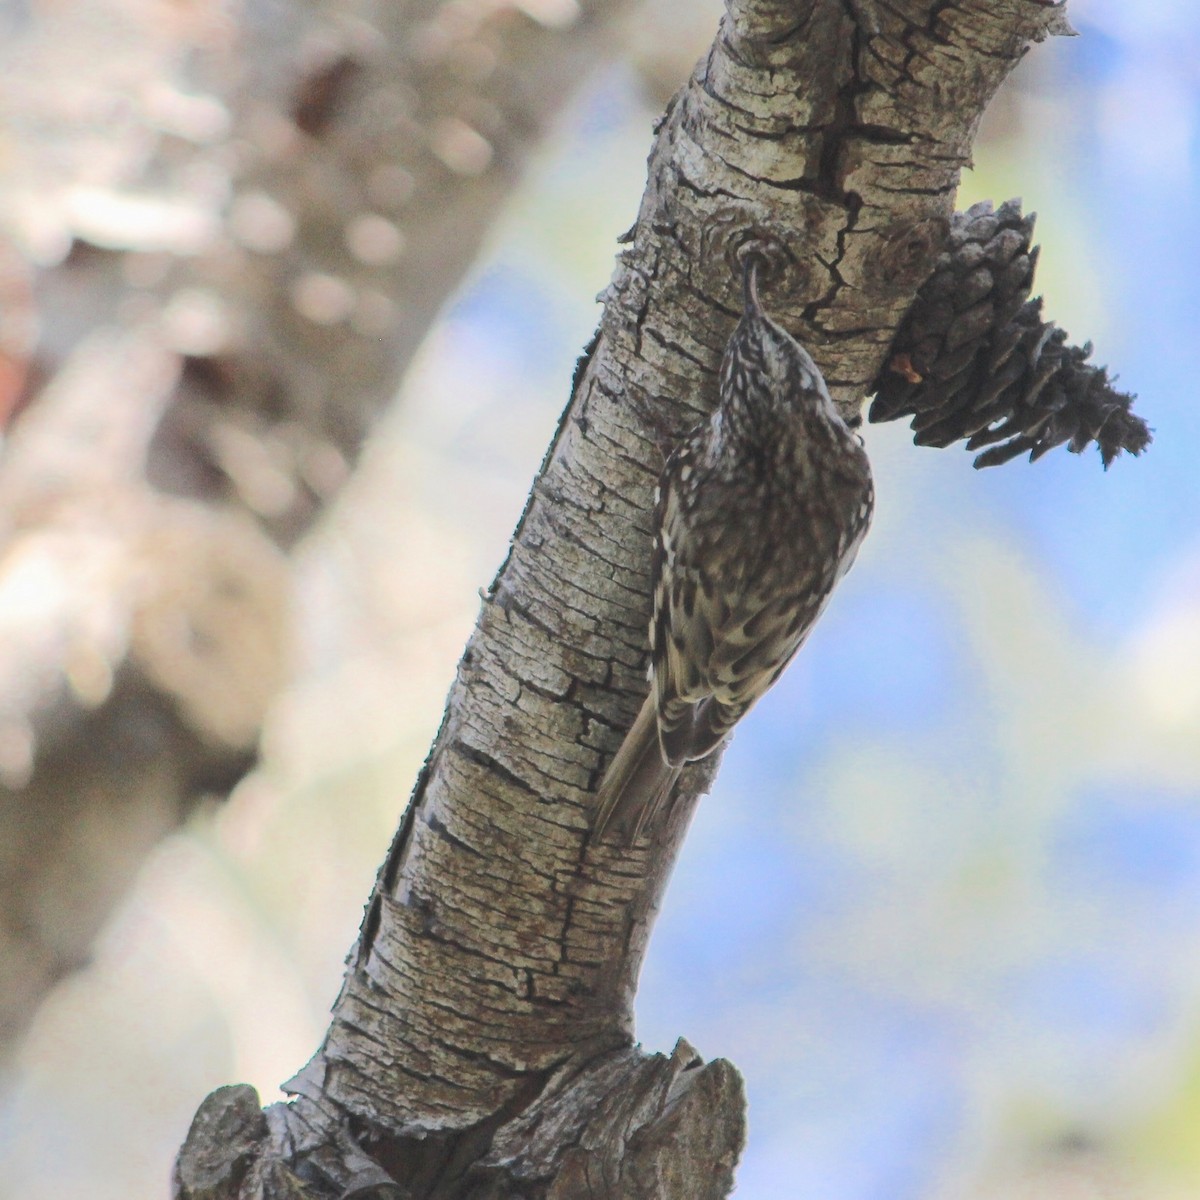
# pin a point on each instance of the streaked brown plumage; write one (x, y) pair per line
(760, 511)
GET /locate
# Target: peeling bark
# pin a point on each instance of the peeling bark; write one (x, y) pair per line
(481, 1045)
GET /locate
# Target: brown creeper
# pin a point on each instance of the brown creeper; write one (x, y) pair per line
(760, 511)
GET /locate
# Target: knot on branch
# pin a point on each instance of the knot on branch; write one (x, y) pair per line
(735, 233)
(632, 1125)
(624, 1126)
(974, 361)
(222, 1147)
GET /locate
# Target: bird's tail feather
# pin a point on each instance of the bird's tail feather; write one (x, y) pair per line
(637, 781)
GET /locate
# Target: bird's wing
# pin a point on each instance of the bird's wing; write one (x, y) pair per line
(755, 642)
(687, 612)
(716, 645)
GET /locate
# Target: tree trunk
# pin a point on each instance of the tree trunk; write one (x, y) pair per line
(482, 1042)
(216, 352)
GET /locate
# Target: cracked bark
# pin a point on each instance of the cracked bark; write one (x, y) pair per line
(482, 1042)
(206, 401)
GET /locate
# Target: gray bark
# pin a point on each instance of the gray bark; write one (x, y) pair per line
(214, 367)
(482, 1042)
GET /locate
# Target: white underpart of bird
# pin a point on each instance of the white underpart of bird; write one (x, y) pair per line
(759, 511)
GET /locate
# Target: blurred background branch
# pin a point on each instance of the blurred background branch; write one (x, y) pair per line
(241, 230)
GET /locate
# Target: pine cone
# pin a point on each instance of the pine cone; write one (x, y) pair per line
(974, 360)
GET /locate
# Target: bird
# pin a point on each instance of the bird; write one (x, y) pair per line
(759, 512)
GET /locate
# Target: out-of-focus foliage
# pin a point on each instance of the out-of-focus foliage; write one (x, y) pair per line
(942, 908)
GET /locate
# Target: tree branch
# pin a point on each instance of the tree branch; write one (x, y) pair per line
(502, 944)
